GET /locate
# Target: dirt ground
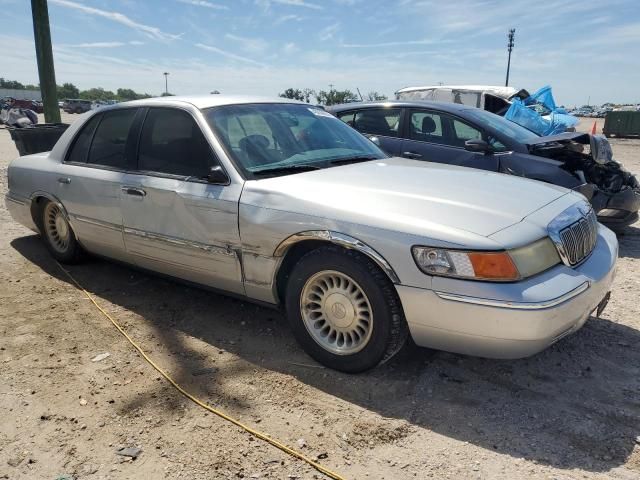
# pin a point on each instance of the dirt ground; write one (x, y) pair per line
(570, 412)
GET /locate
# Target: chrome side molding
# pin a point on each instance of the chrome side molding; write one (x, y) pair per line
(181, 242)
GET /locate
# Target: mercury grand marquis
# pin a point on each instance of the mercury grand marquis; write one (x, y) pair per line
(281, 203)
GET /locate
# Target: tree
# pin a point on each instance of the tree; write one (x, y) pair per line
(98, 93)
(293, 94)
(13, 84)
(68, 90)
(333, 97)
(303, 95)
(375, 96)
(125, 94)
(307, 93)
(167, 94)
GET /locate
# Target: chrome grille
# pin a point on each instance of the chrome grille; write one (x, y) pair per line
(579, 238)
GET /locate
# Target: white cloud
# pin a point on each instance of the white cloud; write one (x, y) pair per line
(103, 44)
(204, 3)
(152, 32)
(230, 55)
(291, 3)
(391, 44)
(328, 32)
(252, 45)
(287, 18)
(290, 48)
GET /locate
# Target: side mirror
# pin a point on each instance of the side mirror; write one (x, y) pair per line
(375, 140)
(217, 176)
(477, 145)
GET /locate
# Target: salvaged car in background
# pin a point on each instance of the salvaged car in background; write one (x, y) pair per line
(461, 135)
(537, 112)
(76, 105)
(280, 202)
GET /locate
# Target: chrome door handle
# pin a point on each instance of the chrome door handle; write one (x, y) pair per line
(138, 192)
(411, 155)
(65, 180)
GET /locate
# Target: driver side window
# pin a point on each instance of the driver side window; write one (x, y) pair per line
(172, 143)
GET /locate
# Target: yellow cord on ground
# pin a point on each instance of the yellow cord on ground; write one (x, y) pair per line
(255, 433)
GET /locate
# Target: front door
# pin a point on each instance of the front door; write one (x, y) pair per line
(175, 221)
(439, 137)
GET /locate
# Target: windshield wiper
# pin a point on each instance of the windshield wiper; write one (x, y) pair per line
(354, 159)
(285, 169)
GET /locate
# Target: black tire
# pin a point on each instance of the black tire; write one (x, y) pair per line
(68, 251)
(389, 328)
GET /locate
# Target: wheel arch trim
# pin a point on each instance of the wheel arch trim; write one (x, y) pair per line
(56, 200)
(337, 238)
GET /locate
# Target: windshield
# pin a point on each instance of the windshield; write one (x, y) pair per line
(500, 124)
(280, 138)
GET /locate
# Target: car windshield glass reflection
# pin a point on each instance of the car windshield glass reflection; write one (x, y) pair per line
(277, 139)
(507, 128)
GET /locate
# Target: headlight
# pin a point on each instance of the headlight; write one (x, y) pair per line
(483, 265)
(497, 266)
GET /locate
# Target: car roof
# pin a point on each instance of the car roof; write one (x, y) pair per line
(442, 106)
(207, 101)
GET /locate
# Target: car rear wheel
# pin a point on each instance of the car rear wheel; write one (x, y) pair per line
(58, 235)
(343, 310)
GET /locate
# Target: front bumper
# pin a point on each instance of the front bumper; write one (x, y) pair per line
(626, 202)
(511, 320)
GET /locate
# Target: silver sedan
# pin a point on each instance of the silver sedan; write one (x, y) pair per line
(281, 203)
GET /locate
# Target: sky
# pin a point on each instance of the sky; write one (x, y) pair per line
(586, 50)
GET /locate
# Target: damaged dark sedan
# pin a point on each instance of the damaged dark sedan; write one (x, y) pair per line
(467, 136)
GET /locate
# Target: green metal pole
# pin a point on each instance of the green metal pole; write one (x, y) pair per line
(44, 54)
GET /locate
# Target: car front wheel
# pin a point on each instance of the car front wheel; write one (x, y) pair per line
(343, 310)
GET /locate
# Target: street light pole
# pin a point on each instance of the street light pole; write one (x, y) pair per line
(44, 55)
(166, 84)
(512, 33)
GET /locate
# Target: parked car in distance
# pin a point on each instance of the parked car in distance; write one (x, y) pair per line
(76, 105)
(279, 202)
(471, 137)
(34, 105)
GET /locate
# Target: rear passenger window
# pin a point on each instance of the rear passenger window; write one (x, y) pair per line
(426, 127)
(82, 142)
(108, 146)
(347, 117)
(378, 121)
(173, 143)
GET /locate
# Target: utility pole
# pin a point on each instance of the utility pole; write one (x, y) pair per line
(44, 55)
(166, 83)
(512, 33)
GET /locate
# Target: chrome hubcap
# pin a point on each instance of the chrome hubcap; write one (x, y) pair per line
(56, 228)
(336, 312)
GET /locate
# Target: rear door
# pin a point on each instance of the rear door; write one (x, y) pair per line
(90, 178)
(381, 122)
(175, 222)
(437, 136)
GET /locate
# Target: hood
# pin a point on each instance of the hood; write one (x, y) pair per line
(408, 196)
(560, 137)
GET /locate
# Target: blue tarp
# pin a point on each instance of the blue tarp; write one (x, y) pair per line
(522, 113)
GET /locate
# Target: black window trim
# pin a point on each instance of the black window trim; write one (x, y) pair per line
(86, 163)
(172, 176)
(75, 139)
